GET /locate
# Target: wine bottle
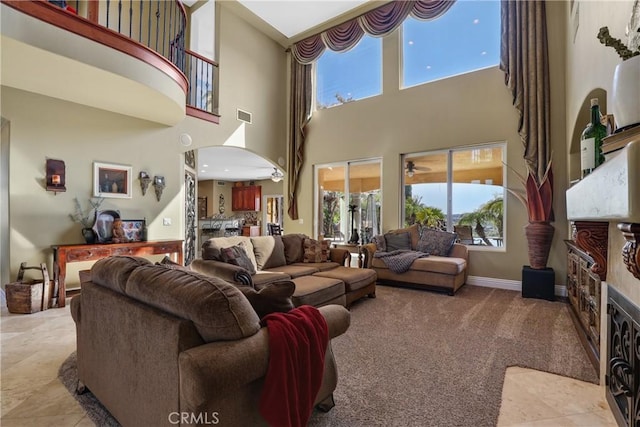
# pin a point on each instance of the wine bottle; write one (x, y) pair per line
(591, 141)
(143, 232)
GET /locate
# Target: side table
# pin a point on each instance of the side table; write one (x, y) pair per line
(353, 249)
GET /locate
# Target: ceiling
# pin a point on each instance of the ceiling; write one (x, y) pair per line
(289, 18)
(232, 164)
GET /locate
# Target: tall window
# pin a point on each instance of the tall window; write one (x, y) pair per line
(349, 196)
(343, 77)
(458, 190)
(464, 39)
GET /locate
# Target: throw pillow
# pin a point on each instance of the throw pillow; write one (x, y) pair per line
(414, 234)
(436, 242)
(293, 247)
(396, 241)
(269, 251)
(273, 297)
(236, 255)
(316, 251)
(381, 243)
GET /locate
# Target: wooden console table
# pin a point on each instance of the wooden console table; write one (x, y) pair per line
(64, 254)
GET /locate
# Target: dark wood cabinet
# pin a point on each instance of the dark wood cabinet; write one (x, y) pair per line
(246, 198)
(251, 230)
(583, 288)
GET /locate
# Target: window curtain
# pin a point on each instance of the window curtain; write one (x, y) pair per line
(524, 59)
(299, 116)
(378, 23)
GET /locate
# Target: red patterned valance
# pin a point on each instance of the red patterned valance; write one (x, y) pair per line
(377, 23)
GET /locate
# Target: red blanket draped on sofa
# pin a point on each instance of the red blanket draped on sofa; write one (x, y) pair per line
(297, 344)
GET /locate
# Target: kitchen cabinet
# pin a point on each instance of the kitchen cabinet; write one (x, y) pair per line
(251, 230)
(246, 198)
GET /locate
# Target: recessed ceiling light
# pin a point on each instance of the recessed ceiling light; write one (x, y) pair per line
(484, 52)
(226, 170)
(205, 166)
(476, 21)
(410, 42)
(203, 171)
(428, 67)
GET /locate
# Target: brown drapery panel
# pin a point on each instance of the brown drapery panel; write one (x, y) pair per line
(524, 58)
(378, 23)
(299, 116)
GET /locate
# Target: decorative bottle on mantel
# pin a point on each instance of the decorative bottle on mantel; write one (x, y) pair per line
(591, 141)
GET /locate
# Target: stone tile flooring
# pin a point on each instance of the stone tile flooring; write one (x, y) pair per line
(34, 346)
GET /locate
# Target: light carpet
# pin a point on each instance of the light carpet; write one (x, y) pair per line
(419, 358)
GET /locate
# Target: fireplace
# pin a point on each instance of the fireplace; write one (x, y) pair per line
(623, 358)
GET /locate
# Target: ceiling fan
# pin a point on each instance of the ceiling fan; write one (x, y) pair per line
(411, 168)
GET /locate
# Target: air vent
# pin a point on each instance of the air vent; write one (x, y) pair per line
(221, 183)
(244, 116)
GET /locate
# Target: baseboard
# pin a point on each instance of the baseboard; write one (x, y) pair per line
(511, 285)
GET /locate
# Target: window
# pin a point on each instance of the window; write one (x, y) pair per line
(464, 39)
(343, 77)
(355, 218)
(458, 190)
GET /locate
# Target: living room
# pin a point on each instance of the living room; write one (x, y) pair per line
(464, 110)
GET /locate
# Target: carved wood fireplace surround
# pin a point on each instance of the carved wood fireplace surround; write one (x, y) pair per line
(605, 210)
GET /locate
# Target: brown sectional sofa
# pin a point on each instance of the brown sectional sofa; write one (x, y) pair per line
(442, 273)
(278, 258)
(154, 341)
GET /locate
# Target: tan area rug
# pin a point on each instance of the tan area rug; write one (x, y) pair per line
(418, 358)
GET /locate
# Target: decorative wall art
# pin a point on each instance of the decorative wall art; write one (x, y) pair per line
(111, 180)
(133, 229)
(190, 158)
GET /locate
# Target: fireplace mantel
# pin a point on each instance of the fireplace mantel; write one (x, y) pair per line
(611, 194)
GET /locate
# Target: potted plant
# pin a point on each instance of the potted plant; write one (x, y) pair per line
(626, 84)
(538, 199)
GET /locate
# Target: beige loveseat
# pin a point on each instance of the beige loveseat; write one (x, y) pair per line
(436, 272)
(154, 343)
(277, 258)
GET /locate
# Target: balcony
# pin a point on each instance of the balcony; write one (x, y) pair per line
(126, 57)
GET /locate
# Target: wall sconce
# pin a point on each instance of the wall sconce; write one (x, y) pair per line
(145, 180)
(159, 184)
(55, 176)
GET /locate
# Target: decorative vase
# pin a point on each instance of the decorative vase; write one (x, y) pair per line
(89, 236)
(539, 238)
(625, 97)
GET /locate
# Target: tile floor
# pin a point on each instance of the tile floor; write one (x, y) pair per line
(34, 346)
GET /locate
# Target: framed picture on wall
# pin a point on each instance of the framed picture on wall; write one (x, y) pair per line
(111, 180)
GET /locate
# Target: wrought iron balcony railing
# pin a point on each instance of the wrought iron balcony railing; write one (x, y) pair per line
(160, 25)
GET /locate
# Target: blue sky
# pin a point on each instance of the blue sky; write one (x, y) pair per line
(466, 38)
(466, 197)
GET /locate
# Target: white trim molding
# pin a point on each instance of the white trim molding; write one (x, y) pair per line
(511, 285)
